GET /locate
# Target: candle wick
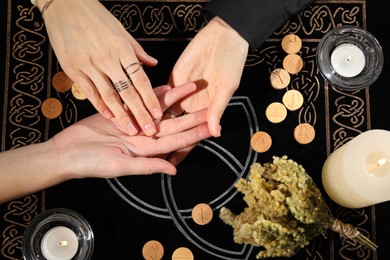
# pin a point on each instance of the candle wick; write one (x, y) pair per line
(378, 164)
(63, 243)
(349, 58)
(382, 162)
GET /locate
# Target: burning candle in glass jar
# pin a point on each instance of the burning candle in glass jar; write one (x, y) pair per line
(357, 174)
(59, 243)
(348, 60)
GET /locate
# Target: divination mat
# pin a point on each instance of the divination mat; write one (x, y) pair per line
(127, 212)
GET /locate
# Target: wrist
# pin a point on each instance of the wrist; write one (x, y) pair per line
(59, 160)
(49, 159)
(223, 28)
(28, 169)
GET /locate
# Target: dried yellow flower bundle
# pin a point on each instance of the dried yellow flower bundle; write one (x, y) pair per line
(285, 210)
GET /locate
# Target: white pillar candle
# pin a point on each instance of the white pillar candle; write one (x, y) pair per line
(59, 243)
(348, 60)
(358, 174)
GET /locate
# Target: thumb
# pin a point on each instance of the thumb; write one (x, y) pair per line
(215, 112)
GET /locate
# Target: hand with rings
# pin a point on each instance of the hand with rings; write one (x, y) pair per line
(105, 61)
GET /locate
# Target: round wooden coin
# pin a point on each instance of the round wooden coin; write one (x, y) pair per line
(153, 250)
(276, 112)
(182, 253)
(202, 214)
(261, 142)
(77, 92)
(292, 100)
(304, 133)
(291, 43)
(51, 108)
(61, 82)
(279, 78)
(293, 63)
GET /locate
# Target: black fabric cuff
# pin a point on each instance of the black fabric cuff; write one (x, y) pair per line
(255, 20)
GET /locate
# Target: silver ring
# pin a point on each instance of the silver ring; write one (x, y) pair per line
(138, 64)
(122, 85)
(172, 113)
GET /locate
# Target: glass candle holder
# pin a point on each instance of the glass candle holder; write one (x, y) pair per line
(349, 58)
(58, 234)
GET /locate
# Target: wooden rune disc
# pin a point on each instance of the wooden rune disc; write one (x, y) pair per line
(261, 142)
(182, 253)
(304, 133)
(202, 214)
(279, 78)
(291, 43)
(153, 250)
(61, 82)
(51, 108)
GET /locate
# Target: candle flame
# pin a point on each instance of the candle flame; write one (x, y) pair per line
(381, 162)
(63, 243)
(378, 164)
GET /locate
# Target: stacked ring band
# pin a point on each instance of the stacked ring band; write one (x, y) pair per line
(138, 64)
(125, 84)
(122, 85)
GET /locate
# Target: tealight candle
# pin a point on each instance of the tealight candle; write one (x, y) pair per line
(59, 243)
(357, 174)
(348, 60)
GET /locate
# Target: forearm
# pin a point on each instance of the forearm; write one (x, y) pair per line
(27, 170)
(255, 20)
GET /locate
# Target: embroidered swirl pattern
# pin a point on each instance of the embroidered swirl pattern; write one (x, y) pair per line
(160, 19)
(24, 122)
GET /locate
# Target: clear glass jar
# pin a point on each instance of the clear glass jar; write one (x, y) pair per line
(366, 42)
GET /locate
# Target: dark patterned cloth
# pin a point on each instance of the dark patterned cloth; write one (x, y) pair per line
(127, 212)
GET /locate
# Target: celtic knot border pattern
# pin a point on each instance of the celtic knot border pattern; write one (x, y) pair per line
(348, 113)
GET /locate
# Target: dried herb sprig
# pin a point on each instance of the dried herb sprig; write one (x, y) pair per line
(285, 210)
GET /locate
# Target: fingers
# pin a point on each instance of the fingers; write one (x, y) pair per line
(113, 77)
(102, 91)
(142, 85)
(94, 43)
(89, 90)
(171, 105)
(216, 110)
(142, 165)
(181, 124)
(170, 143)
(177, 93)
(107, 89)
(161, 90)
(144, 88)
(135, 91)
(140, 97)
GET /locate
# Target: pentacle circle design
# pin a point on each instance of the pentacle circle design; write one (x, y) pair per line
(234, 160)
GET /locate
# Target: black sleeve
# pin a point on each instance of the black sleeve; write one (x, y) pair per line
(255, 20)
